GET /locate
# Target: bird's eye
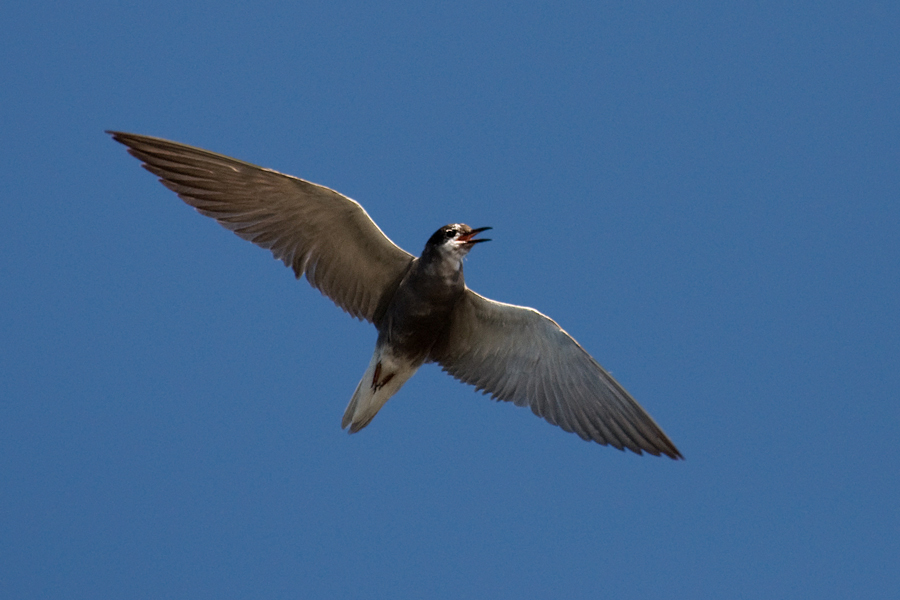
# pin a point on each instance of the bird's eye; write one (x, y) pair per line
(450, 233)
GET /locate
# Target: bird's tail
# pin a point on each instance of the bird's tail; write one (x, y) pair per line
(383, 378)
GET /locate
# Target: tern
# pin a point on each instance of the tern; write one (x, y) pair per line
(421, 307)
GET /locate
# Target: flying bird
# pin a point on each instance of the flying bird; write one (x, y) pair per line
(421, 307)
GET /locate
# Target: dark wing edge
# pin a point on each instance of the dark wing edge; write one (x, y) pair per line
(516, 354)
(313, 229)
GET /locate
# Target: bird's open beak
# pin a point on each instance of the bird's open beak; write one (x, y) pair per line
(467, 238)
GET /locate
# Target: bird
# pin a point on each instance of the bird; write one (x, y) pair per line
(420, 306)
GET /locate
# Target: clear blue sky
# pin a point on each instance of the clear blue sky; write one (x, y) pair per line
(704, 194)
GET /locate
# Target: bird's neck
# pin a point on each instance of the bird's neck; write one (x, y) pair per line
(443, 270)
(443, 263)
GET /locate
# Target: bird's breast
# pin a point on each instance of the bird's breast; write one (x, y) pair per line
(419, 312)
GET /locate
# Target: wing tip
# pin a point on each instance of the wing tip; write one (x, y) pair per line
(668, 450)
(121, 136)
(664, 447)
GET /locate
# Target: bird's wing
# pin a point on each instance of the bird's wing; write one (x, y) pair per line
(519, 355)
(311, 228)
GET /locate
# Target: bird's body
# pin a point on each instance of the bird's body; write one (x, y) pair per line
(420, 306)
(415, 315)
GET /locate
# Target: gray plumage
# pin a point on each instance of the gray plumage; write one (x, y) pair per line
(420, 306)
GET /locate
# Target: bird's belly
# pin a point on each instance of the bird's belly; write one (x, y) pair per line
(414, 335)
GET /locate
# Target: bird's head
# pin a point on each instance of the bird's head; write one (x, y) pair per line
(454, 240)
(450, 244)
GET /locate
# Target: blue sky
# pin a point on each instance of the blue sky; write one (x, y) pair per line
(705, 195)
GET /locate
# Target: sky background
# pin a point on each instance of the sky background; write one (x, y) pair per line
(705, 195)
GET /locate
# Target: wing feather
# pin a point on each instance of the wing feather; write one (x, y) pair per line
(518, 355)
(312, 229)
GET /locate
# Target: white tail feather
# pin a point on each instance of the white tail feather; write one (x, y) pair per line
(383, 378)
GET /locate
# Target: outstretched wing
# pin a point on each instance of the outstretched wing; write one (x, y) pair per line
(519, 355)
(311, 228)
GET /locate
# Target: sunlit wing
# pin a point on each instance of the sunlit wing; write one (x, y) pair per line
(315, 230)
(518, 355)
